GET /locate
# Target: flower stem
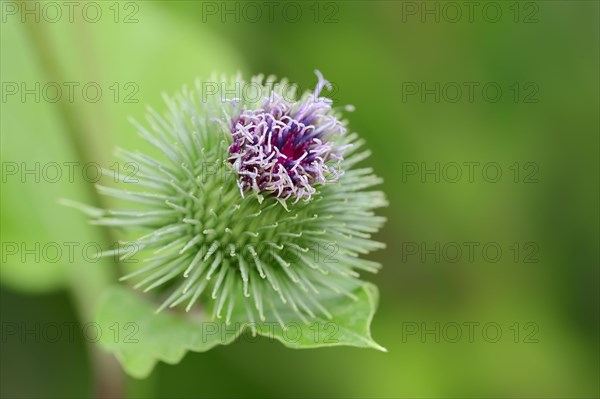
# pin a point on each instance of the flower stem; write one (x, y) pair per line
(86, 284)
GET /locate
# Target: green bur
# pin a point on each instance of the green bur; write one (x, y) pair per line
(239, 260)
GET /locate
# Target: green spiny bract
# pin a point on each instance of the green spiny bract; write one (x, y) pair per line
(233, 247)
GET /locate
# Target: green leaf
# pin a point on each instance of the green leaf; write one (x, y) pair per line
(350, 324)
(139, 337)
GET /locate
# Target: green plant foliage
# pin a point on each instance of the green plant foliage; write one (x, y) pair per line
(139, 337)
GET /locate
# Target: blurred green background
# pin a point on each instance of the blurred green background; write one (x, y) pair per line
(377, 53)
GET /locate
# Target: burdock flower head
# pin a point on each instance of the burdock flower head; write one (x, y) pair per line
(255, 209)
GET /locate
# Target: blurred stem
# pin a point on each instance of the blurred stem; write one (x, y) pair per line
(88, 282)
(75, 128)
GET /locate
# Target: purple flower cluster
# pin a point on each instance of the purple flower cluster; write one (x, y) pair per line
(285, 148)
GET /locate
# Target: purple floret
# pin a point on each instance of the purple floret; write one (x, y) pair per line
(286, 148)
